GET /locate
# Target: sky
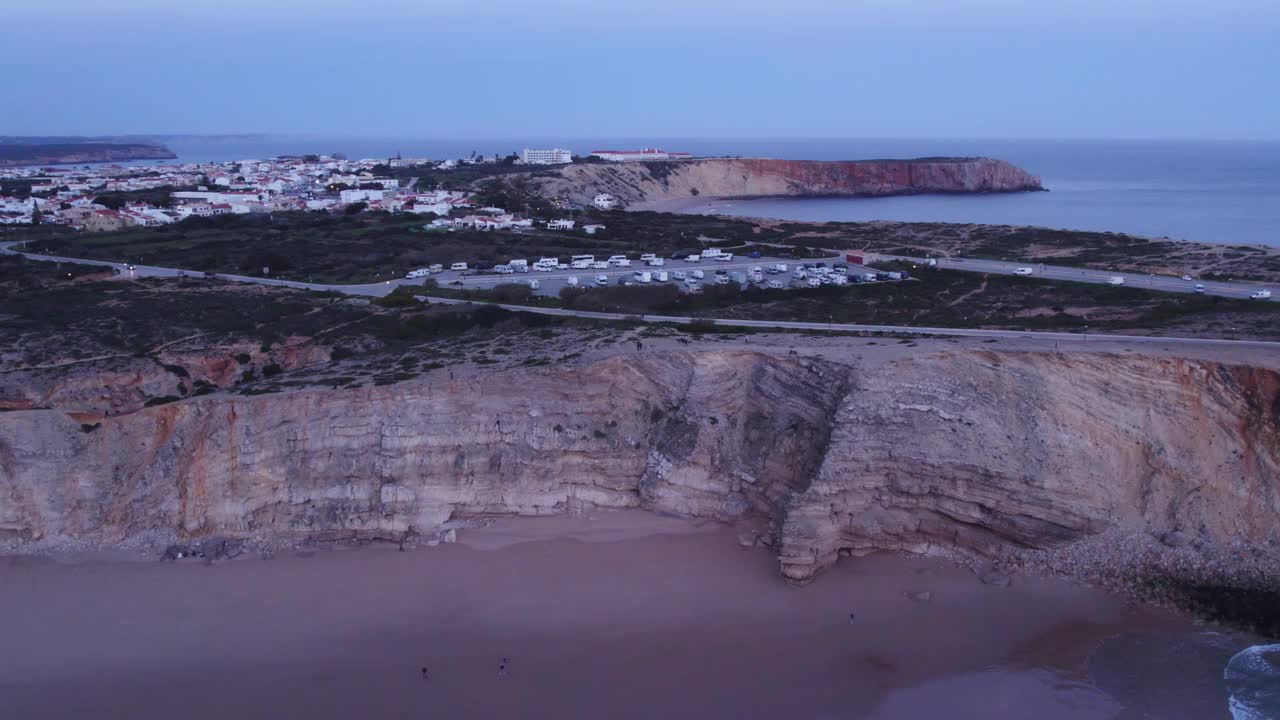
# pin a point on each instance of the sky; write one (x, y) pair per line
(1149, 69)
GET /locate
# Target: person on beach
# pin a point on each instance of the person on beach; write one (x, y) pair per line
(424, 672)
(850, 618)
(502, 668)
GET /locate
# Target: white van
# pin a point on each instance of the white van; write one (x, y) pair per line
(1023, 271)
(602, 279)
(1115, 280)
(693, 258)
(436, 268)
(600, 265)
(660, 276)
(572, 281)
(655, 262)
(458, 266)
(533, 284)
(697, 274)
(643, 276)
(579, 262)
(420, 272)
(647, 257)
(1260, 295)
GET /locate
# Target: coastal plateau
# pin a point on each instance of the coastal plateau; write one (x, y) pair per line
(13, 154)
(646, 182)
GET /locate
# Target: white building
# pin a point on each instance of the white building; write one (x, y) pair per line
(354, 196)
(605, 201)
(559, 224)
(554, 156)
(634, 155)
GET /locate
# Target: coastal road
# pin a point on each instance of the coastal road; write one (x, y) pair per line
(852, 327)
(380, 289)
(1161, 283)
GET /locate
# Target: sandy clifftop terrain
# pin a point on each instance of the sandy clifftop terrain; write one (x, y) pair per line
(635, 183)
(965, 450)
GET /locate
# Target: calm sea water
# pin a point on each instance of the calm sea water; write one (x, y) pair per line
(1226, 192)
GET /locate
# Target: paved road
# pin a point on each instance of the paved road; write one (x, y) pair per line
(1162, 283)
(851, 327)
(379, 289)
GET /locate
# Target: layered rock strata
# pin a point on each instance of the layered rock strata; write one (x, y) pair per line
(970, 452)
(638, 182)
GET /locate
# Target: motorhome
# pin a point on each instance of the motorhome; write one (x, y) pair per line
(420, 272)
(642, 276)
(458, 266)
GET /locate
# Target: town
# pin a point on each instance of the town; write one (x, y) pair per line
(103, 198)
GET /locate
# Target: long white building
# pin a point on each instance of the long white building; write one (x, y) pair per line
(634, 155)
(554, 156)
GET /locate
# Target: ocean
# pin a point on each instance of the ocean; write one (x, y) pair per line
(1222, 192)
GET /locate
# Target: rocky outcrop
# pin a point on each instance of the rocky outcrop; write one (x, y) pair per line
(634, 183)
(969, 452)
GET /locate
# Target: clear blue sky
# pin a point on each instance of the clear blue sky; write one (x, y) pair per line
(502, 68)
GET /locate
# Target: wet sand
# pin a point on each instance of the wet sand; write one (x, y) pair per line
(620, 615)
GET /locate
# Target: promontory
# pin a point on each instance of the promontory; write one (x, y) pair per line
(634, 183)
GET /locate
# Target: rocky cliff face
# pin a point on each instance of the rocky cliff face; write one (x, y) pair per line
(964, 451)
(645, 182)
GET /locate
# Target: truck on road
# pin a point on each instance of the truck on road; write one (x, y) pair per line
(1260, 295)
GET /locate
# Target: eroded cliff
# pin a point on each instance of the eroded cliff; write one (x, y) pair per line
(966, 451)
(638, 182)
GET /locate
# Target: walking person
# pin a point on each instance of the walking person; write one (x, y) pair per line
(424, 672)
(502, 668)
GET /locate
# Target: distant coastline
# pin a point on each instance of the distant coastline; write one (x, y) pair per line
(75, 153)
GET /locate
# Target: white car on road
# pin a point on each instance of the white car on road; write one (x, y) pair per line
(1023, 271)
(1115, 280)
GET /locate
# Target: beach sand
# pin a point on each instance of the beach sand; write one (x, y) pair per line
(619, 615)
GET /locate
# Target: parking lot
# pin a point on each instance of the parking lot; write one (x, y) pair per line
(551, 282)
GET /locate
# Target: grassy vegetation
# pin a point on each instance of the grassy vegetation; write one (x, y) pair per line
(942, 298)
(318, 247)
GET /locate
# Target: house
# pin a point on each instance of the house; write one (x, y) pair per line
(605, 201)
(348, 197)
(103, 221)
(639, 155)
(560, 224)
(554, 156)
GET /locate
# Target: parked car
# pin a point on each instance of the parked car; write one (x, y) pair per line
(602, 280)
(755, 254)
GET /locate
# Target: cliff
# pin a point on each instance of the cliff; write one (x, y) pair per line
(634, 183)
(964, 451)
(77, 153)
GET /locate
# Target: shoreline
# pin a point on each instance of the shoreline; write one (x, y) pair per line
(589, 609)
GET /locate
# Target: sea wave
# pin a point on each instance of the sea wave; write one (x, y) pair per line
(1253, 683)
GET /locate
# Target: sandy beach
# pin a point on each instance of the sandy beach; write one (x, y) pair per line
(625, 615)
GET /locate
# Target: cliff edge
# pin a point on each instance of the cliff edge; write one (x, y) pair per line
(641, 182)
(970, 452)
